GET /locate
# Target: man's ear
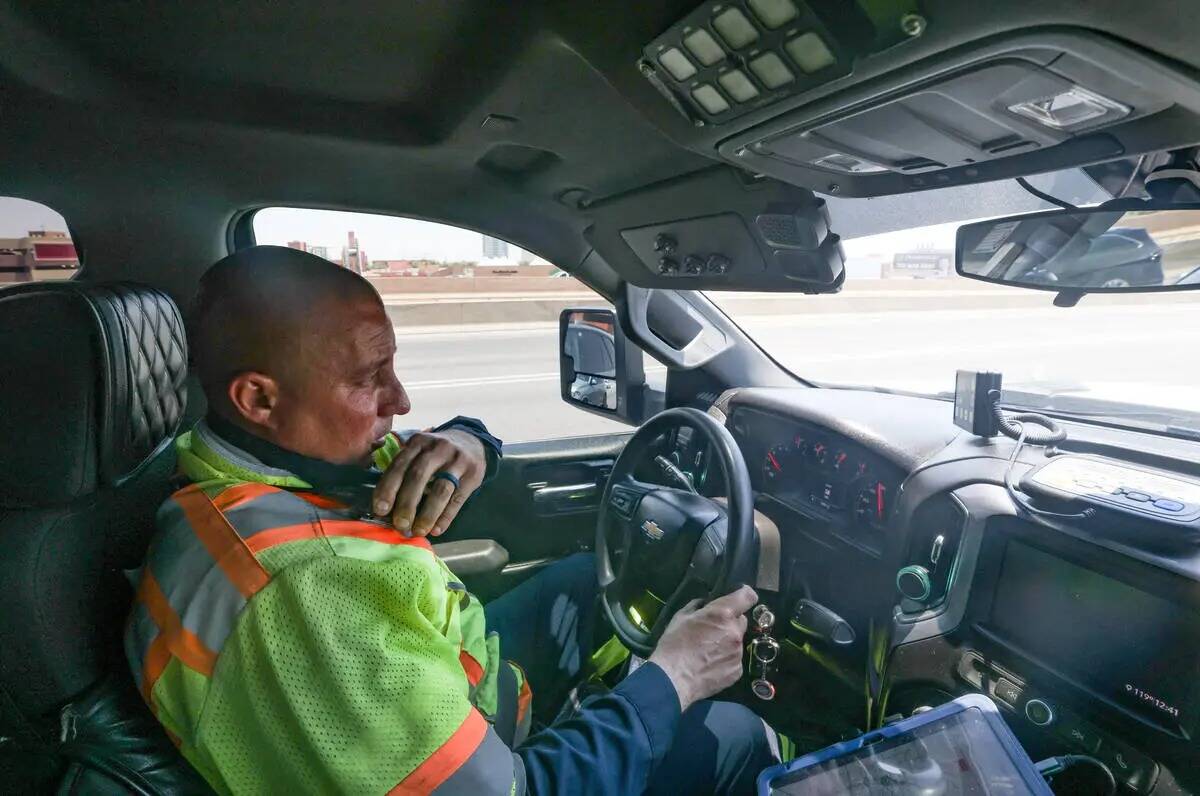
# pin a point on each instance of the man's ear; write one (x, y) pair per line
(253, 396)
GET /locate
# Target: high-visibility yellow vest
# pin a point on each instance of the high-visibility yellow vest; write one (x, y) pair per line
(288, 645)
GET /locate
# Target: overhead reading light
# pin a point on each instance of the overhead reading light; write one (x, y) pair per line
(675, 62)
(735, 29)
(849, 164)
(737, 85)
(710, 99)
(701, 44)
(1071, 109)
(809, 53)
(774, 13)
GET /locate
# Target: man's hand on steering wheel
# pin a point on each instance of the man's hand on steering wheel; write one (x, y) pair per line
(701, 649)
(434, 474)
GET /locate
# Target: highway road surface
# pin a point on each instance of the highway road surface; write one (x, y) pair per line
(508, 374)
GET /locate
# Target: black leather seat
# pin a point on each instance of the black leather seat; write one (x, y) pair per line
(91, 396)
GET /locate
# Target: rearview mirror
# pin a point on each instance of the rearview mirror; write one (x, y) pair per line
(1089, 250)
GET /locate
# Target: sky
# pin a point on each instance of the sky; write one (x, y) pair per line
(381, 237)
(18, 217)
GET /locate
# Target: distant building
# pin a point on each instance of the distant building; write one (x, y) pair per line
(922, 264)
(350, 252)
(38, 256)
(298, 245)
(320, 251)
(494, 248)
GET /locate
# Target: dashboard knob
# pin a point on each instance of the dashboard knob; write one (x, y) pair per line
(1039, 712)
(914, 583)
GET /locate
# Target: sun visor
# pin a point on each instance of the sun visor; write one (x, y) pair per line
(719, 230)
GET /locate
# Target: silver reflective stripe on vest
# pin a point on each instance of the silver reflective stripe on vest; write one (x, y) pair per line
(492, 769)
(273, 510)
(199, 592)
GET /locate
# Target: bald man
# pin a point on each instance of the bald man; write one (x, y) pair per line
(294, 630)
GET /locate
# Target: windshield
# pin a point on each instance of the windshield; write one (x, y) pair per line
(905, 321)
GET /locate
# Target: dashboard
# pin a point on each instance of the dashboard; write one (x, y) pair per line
(1083, 631)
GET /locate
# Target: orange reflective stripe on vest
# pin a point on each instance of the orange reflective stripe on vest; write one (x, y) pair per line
(240, 494)
(438, 767)
(471, 668)
(173, 638)
(224, 544)
(358, 529)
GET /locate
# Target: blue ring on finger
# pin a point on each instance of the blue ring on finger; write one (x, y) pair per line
(451, 477)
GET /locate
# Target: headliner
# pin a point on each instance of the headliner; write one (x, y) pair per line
(150, 126)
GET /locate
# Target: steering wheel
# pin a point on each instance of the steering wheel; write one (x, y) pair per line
(672, 541)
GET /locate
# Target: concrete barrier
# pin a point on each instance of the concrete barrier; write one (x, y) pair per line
(860, 296)
(468, 285)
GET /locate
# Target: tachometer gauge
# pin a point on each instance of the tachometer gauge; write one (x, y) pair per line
(777, 461)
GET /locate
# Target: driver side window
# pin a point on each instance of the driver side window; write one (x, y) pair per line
(476, 318)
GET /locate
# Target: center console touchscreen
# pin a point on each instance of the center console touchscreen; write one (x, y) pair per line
(1128, 646)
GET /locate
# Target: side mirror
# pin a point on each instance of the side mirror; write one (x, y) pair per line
(600, 371)
(1126, 247)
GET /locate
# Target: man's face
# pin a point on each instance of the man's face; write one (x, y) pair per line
(342, 395)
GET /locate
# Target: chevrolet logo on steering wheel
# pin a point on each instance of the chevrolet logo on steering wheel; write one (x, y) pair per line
(652, 531)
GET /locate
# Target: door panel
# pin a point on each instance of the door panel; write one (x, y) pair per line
(541, 506)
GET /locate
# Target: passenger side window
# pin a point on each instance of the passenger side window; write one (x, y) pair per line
(35, 244)
(476, 317)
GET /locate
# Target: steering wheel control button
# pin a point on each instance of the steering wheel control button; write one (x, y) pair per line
(1037, 711)
(665, 244)
(1009, 692)
(763, 689)
(913, 582)
(1168, 505)
(693, 265)
(1137, 497)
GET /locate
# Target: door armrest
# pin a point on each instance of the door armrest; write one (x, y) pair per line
(472, 556)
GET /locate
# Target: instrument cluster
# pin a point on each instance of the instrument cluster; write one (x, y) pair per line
(818, 471)
(821, 474)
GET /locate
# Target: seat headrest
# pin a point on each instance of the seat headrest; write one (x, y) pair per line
(91, 387)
